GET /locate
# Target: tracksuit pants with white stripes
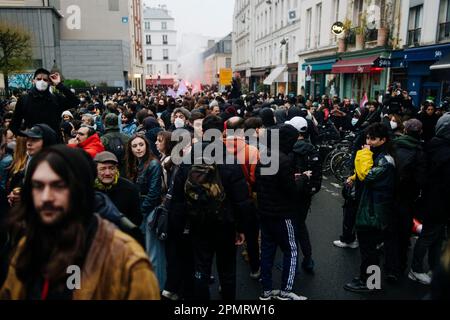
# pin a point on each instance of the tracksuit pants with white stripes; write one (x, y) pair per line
(276, 232)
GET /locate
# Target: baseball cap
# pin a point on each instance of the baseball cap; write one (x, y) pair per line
(299, 123)
(106, 156)
(35, 133)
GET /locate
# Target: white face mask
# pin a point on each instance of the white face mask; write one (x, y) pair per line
(179, 123)
(354, 121)
(41, 85)
(394, 125)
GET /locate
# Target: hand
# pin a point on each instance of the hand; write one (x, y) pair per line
(55, 78)
(73, 141)
(240, 238)
(13, 198)
(161, 123)
(349, 182)
(366, 147)
(297, 176)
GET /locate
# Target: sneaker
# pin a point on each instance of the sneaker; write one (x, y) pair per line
(422, 278)
(269, 295)
(256, 275)
(308, 265)
(170, 295)
(288, 295)
(340, 244)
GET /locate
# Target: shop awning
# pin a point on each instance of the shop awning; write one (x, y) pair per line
(320, 65)
(274, 75)
(442, 64)
(357, 65)
(162, 82)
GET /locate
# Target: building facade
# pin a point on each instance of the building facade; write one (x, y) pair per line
(218, 56)
(159, 46)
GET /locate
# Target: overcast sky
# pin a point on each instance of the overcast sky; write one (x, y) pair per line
(212, 18)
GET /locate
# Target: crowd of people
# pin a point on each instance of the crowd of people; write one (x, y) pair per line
(93, 180)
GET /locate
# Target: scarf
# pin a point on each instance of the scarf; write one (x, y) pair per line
(98, 185)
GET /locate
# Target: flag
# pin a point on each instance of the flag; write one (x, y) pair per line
(364, 100)
(182, 89)
(171, 93)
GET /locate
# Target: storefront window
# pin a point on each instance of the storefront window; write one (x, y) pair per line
(332, 85)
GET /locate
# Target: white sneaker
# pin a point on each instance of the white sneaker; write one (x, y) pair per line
(170, 295)
(423, 278)
(340, 244)
(269, 295)
(285, 296)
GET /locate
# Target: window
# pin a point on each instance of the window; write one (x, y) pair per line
(148, 39)
(166, 54)
(444, 21)
(147, 25)
(228, 63)
(318, 23)
(167, 68)
(113, 5)
(163, 25)
(164, 37)
(149, 54)
(308, 27)
(415, 25)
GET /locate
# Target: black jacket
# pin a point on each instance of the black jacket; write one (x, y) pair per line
(237, 201)
(42, 107)
(125, 197)
(307, 158)
(437, 188)
(411, 173)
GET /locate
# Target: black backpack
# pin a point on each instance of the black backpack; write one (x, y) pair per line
(205, 194)
(116, 146)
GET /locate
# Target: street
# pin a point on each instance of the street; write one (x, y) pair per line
(334, 267)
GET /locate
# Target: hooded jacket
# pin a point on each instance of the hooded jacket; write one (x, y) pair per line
(92, 145)
(307, 158)
(277, 193)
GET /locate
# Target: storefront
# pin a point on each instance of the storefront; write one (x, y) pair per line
(278, 80)
(427, 78)
(257, 76)
(362, 73)
(399, 73)
(292, 78)
(319, 79)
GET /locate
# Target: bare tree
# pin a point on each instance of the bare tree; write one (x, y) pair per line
(15, 50)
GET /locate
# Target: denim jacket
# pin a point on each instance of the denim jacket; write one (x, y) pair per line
(149, 182)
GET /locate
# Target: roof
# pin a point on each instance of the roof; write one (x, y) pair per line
(157, 13)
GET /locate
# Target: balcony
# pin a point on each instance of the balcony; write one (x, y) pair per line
(414, 37)
(444, 31)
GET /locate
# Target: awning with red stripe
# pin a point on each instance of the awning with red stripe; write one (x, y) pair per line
(162, 82)
(357, 65)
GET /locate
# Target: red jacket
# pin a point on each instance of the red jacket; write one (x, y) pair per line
(92, 145)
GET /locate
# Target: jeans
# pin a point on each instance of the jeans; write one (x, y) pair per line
(252, 238)
(431, 240)
(278, 232)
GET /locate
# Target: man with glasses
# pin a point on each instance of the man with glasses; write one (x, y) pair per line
(42, 106)
(88, 140)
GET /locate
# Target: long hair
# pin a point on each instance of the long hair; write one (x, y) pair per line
(168, 143)
(50, 250)
(20, 156)
(132, 162)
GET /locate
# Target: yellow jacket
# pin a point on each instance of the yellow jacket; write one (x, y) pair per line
(116, 268)
(363, 164)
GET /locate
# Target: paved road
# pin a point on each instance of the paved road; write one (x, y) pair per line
(334, 266)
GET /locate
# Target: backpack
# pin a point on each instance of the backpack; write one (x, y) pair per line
(205, 194)
(116, 146)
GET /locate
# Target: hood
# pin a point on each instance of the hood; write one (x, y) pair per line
(443, 127)
(288, 137)
(151, 123)
(302, 147)
(408, 142)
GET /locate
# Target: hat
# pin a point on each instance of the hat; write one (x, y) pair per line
(413, 125)
(35, 133)
(213, 104)
(67, 113)
(299, 123)
(106, 156)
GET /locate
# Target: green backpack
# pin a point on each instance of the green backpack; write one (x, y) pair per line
(204, 194)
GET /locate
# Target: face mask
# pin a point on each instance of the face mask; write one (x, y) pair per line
(179, 123)
(82, 100)
(394, 125)
(354, 121)
(41, 85)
